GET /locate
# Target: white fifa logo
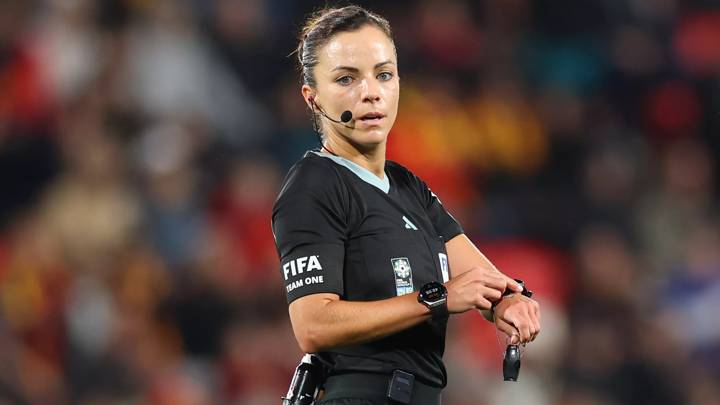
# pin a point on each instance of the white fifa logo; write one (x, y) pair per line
(300, 265)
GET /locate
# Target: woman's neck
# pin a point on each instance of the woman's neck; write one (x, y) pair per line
(373, 159)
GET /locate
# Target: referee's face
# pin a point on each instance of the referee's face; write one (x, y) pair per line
(357, 71)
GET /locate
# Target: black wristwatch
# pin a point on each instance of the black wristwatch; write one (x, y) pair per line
(434, 296)
(524, 291)
(508, 291)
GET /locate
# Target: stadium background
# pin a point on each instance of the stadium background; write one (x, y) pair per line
(142, 144)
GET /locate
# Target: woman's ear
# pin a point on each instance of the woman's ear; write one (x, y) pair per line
(308, 94)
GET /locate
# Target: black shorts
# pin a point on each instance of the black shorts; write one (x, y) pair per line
(371, 389)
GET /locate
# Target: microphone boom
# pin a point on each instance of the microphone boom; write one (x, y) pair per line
(345, 117)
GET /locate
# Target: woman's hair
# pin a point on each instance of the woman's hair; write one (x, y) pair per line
(323, 24)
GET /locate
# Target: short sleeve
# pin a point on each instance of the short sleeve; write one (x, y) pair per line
(309, 223)
(444, 223)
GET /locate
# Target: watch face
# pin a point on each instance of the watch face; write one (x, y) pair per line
(433, 292)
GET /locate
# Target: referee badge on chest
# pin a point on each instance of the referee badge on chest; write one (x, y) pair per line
(403, 275)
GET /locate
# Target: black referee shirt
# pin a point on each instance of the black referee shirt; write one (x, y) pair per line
(340, 229)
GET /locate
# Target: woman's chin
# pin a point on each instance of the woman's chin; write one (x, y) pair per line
(371, 136)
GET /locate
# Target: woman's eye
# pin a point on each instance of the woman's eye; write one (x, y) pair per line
(385, 76)
(345, 80)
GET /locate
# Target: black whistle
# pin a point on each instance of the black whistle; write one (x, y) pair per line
(511, 363)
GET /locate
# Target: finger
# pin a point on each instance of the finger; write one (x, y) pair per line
(482, 303)
(533, 323)
(516, 321)
(525, 331)
(529, 319)
(532, 318)
(512, 284)
(494, 281)
(508, 330)
(523, 326)
(534, 330)
(536, 318)
(490, 294)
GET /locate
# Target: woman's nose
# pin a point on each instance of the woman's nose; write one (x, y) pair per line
(370, 90)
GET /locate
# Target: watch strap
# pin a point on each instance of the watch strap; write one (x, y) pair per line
(440, 311)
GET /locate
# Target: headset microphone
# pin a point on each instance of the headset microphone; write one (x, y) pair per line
(345, 117)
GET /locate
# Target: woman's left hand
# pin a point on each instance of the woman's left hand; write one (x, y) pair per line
(519, 317)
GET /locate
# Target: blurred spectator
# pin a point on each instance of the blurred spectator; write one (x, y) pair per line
(25, 99)
(90, 209)
(681, 202)
(70, 46)
(173, 73)
(694, 44)
(174, 201)
(695, 287)
(240, 211)
(606, 357)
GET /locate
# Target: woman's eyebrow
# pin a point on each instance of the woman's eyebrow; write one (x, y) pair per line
(354, 69)
(350, 68)
(387, 62)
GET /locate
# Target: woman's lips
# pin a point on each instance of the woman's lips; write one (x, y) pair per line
(371, 119)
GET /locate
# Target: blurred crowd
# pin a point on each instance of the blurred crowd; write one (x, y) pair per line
(142, 144)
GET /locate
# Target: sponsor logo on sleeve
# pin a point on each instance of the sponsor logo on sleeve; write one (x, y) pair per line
(299, 267)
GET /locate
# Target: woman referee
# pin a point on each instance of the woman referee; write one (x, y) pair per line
(373, 263)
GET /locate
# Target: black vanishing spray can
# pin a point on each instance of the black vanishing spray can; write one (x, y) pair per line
(305, 383)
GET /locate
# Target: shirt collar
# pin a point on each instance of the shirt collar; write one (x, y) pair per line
(363, 173)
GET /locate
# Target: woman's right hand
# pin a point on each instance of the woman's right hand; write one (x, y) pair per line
(477, 288)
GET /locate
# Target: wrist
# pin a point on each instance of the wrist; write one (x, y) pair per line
(508, 294)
